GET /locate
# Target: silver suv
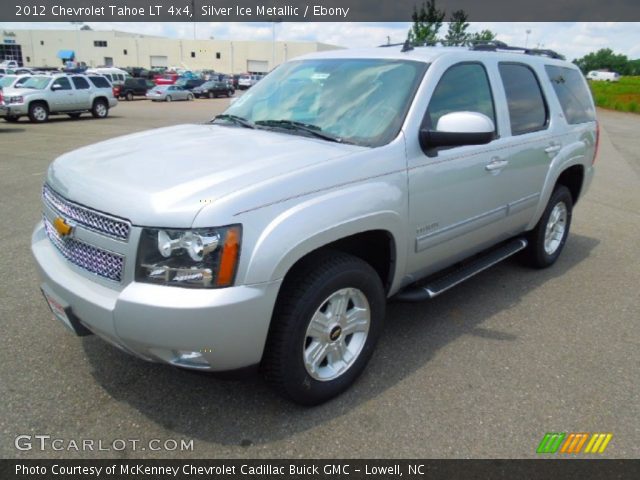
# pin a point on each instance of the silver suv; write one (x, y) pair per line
(344, 178)
(44, 95)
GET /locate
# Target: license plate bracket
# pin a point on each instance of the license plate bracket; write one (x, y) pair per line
(62, 312)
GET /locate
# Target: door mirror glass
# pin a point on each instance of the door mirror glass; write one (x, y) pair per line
(459, 128)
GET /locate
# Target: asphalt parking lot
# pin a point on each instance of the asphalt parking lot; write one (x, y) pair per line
(485, 370)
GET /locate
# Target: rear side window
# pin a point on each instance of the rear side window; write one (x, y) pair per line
(527, 108)
(573, 94)
(80, 83)
(100, 82)
(462, 88)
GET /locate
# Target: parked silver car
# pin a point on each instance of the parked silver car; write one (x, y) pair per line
(43, 95)
(277, 233)
(168, 93)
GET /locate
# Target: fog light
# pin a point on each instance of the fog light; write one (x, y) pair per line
(188, 359)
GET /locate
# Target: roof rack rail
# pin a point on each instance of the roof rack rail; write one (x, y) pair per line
(406, 45)
(495, 45)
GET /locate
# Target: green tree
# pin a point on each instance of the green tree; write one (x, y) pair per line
(457, 33)
(605, 59)
(427, 21)
(481, 37)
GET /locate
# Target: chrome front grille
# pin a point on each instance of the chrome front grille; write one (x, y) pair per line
(90, 219)
(95, 260)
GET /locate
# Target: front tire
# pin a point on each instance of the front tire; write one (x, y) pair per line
(189, 98)
(38, 112)
(549, 236)
(326, 324)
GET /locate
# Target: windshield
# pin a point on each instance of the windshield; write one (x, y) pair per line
(361, 101)
(37, 82)
(7, 81)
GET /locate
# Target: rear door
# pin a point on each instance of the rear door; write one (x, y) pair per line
(530, 143)
(82, 96)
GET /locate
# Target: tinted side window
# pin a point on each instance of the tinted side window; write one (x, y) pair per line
(100, 82)
(573, 94)
(80, 83)
(63, 82)
(462, 88)
(527, 108)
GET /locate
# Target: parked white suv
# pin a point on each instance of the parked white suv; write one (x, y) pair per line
(344, 178)
(603, 76)
(44, 95)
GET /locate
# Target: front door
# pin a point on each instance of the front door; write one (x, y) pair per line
(458, 196)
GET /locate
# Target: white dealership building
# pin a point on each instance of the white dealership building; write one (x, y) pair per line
(50, 48)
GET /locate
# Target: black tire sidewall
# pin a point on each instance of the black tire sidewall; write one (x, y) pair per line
(298, 384)
(94, 109)
(32, 117)
(538, 256)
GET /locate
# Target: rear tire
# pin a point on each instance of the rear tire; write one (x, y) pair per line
(168, 98)
(325, 326)
(38, 112)
(189, 98)
(129, 96)
(549, 236)
(230, 93)
(100, 109)
(211, 94)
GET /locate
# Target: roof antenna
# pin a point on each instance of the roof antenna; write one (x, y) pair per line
(407, 46)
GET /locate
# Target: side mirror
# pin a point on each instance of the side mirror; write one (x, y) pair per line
(459, 128)
(56, 86)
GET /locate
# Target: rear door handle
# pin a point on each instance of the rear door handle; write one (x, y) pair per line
(496, 164)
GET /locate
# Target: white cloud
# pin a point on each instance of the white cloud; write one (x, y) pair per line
(570, 39)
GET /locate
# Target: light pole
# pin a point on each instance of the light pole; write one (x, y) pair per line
(526, 41)
(273, 45)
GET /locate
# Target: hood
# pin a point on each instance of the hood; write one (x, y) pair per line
(164, 177)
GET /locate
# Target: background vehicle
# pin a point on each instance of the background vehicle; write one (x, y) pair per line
(41, 96)
(394, 172)
(116, 76)
(214, 88)
(13, 81)
(189, 83)
(168, 93)
(247, 81)
(167, 78)
(599, 75)
(133, 87)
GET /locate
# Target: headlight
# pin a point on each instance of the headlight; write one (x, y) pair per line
(202, 258)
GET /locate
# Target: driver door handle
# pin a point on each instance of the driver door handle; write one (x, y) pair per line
(496, 164)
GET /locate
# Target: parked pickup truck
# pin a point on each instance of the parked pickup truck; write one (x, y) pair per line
(273, 236)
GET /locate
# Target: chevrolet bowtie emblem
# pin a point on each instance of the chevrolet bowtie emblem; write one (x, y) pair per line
(62, 227)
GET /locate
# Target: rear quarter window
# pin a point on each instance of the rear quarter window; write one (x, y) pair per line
(573, 94)
(100, 82)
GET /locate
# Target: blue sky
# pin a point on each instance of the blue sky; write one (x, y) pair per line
(572, 39)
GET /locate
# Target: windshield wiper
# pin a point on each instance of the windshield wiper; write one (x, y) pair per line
(235, 119)
(302, 127)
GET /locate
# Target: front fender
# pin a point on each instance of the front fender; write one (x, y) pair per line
(323, 219)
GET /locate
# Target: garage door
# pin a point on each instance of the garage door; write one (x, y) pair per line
(159, 61)
(257, 66)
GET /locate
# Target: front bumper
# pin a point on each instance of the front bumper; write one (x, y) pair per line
(16, 109)
(226, 327)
